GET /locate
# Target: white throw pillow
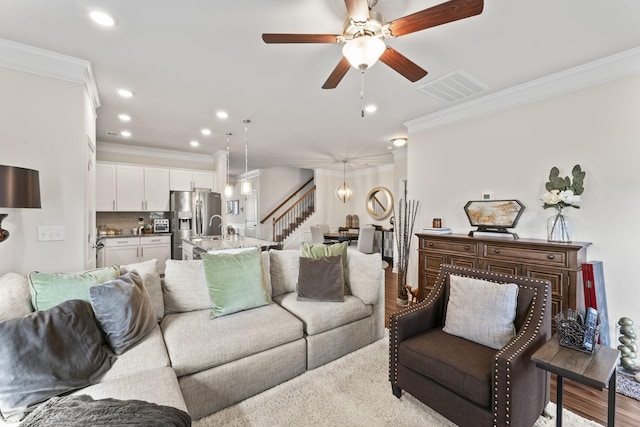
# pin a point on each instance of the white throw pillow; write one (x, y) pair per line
(15, 297)
(481, 311)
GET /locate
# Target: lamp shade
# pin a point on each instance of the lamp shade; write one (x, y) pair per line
(245, 187)
(362, 52)
(19, 187)
(344, 192)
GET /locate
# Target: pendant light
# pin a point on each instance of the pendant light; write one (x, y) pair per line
(344, 192)
(228, 189)
(245, 187)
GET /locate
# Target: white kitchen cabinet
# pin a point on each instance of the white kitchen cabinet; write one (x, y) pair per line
(203, 180)
(156, 189)
(129, 250)
(187, 250)
(105, 187)
(187, 180)
(158, 247)
(130, 188)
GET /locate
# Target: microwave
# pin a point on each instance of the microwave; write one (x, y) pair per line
(160, 225)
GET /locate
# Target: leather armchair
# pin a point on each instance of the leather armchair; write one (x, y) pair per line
(468, 383)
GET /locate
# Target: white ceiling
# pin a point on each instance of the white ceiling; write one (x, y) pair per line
(185, 60)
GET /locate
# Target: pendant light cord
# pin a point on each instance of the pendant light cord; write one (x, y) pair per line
(362, 93)
(228, 136)
(246, 145)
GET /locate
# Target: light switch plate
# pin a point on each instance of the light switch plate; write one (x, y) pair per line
(51, 233)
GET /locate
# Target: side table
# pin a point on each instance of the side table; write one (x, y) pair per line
(595, 370)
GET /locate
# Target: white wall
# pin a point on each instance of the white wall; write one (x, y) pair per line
(332, 211)
(510, 153)
(43, 128)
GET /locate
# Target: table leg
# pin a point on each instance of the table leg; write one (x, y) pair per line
(611, 410)
(559, 386)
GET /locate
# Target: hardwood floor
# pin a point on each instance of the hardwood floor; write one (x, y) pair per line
(585, 401)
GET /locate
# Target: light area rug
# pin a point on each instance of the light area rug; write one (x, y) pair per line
(351, 391)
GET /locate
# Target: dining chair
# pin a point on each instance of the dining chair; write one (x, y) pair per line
(365, 239)
(318, 232)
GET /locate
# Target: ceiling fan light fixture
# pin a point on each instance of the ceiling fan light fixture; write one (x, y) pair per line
(399, 141)
(362, 52)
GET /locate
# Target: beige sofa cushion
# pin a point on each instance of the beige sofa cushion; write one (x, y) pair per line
(284, 270)
(321, 316)
(15, 298)
(366, 275)
(196, 343)
(185, 287)
(148, 270)
(159, 386)
(149, 353)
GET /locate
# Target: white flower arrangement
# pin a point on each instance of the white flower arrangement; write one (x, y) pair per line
(563, 192)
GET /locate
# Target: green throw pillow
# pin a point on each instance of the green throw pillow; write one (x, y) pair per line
(50, 289)
(236, 282)
(319, 250)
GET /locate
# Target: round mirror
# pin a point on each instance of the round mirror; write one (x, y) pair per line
(379, 203)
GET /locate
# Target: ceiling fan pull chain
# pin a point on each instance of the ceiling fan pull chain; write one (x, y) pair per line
(362, 94)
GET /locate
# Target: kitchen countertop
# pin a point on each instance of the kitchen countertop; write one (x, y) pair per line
(215, 243)
(127, 235)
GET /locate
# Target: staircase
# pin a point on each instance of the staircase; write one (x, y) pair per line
(292, 212)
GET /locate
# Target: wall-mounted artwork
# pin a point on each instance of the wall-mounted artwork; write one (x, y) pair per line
(233, 207)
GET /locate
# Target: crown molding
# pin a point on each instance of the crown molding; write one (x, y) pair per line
(160, 153)
(46, 63)
(592, 73)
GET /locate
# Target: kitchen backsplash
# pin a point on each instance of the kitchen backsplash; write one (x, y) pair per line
(125, 221)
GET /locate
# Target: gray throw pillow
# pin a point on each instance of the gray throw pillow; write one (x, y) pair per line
(48, 353)
(321, 279)
(124, 310)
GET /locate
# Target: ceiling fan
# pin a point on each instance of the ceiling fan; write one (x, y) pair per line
(364, 30)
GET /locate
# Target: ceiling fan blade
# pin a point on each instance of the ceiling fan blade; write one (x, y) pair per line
(402, 64)
(443, 13)
(301, 38)
(337, 74)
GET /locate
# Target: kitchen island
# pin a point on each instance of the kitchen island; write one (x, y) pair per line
(194, 246)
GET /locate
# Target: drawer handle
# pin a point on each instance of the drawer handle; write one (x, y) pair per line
(466, 247)
(496, 251)
(550, 256)
(430, 244)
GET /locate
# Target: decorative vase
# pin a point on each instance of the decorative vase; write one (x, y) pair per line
(559, 227)
(403, 295)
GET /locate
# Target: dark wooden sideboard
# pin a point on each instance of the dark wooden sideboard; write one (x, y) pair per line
(559, 263)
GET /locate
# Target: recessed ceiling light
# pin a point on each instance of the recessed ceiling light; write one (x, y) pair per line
(102, 18)
(206, 131)
(125, 93)
(125, 133)
(222, 114)
(370, 108)
(124, 117)
(194, 143)
(399, 141)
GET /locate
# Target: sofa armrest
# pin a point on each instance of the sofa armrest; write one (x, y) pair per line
(515, 374)
(413, 320)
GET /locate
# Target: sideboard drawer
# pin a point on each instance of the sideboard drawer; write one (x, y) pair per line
(496, 251)
(457, 247)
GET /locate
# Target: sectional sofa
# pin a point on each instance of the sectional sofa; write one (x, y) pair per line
(201, 365)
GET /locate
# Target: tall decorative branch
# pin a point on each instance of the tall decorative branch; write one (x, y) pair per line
(404, 222)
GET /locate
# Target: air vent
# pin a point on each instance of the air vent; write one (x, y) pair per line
(453, 87)
(111, 133)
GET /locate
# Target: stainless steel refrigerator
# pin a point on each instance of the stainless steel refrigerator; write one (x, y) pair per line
(193, 213)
